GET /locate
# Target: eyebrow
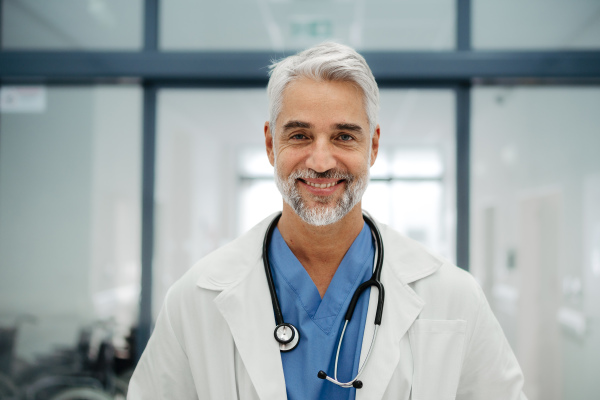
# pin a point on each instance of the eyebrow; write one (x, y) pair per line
(348, 127)
(301, 124)
(297, 124)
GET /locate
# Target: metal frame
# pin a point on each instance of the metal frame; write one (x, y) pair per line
(148, 181)
(463, 140)
(147, 243)
(155, 69)
(463, 174)
(173, 67)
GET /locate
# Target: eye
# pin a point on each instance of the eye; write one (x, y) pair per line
(298, 136)
(345, 137)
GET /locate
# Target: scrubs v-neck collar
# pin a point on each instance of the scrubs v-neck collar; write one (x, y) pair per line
(323, 312)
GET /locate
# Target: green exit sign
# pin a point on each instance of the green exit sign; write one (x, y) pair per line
(312, 28)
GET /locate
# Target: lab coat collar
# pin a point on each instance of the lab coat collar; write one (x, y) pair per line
(245, 304)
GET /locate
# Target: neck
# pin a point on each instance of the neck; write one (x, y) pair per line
(320, 249)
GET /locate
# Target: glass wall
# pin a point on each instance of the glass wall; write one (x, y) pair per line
(72, 24)
(536, 229)
(214, 181)
(282, 24)
(536, 24)
(70, 176)
(70, 166)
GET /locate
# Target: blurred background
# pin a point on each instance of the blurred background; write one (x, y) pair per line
(131, 145)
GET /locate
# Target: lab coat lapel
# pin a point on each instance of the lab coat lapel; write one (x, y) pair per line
(245, 304)
(401, 307)
(248, 310)
(404, 262)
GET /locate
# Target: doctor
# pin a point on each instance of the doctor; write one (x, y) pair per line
(215, 337)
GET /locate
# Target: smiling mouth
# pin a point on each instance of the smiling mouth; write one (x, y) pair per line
(321, 185)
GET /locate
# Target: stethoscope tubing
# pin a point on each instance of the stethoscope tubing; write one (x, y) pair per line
(265, 252)
(373, 281)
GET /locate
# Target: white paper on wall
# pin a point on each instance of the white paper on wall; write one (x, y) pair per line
(23, 99)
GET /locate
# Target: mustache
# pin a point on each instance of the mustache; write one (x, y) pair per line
(329, 174)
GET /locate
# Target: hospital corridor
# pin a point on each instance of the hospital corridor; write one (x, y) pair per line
(132, 145)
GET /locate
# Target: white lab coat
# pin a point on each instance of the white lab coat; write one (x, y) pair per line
(438, 338)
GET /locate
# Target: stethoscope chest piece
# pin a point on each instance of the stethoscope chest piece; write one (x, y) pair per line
(287, 335)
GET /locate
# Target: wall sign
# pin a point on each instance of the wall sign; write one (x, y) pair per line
(23, 99)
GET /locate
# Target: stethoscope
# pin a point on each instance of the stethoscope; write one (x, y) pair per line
(288, 336)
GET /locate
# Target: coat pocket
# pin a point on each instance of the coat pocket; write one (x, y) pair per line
(437, 347)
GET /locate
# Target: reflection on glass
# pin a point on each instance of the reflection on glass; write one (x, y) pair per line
(72, 24)
(69, 229)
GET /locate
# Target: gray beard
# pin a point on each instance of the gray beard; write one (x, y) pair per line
(322, 214)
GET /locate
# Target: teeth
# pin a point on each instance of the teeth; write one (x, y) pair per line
(321, 185)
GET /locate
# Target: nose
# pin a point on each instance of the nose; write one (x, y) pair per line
(321, 158)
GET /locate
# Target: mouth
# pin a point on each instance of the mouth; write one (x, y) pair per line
(322, 185)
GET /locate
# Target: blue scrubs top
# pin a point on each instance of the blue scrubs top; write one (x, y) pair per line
(320, 321)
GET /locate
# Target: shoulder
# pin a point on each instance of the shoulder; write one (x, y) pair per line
(189, 302)
(225, 266)
(450, 292)
(447, 290)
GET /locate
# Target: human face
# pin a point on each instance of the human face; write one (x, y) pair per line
(322, 149)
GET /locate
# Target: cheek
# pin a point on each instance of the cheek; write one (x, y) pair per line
(282, 166)
(288, 157)
(360, 161)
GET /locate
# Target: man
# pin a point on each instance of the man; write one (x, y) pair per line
(214, 338)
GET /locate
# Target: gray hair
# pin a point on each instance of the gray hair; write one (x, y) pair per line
(328, 61)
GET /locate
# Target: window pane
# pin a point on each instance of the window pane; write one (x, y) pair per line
(417, 139)
(536, 24)
(253, 162)
(72, 24)
(214, 180)
(417, 163)
(285, 24)
(417, 212)
(258, 199)
(199, 172)
(536, 224)
(70, 184)
(378, 201)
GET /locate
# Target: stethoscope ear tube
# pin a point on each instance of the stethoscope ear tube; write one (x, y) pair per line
(377, 235)
(375, 278)
(266, 242)
(364, 286)
(379, 312)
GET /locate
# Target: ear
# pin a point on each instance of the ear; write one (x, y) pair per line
(269, 143)
(375, 144)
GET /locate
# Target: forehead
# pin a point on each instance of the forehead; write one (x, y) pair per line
(305, 98)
